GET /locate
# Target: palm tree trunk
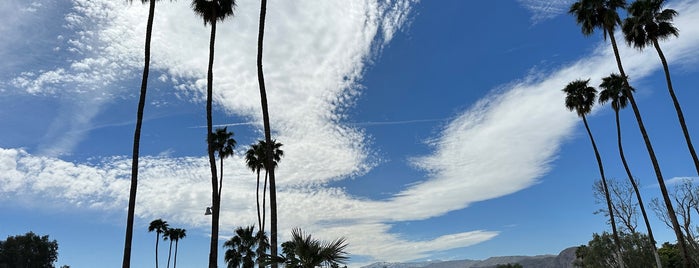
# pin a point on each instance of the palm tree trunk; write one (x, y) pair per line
(220, 182)
(676, 103)
(268, 135)
(213, 251)
(157, 240)
(658, 263)
(174, 262)
(612, 221)
(653, 158)
(257, 198)
(169, 254)
(264, 201)
(126, 263)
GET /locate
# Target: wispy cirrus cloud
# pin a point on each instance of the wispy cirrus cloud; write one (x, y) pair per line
(544, 9)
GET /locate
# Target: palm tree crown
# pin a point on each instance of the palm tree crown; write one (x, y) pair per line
(648, 22)
(592, 14)
(304, 251)
(580, 97)
(616, 91)
(223, 142)
(245, 248)
(213, 10)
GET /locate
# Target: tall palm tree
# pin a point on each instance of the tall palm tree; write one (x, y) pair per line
(223, 144)
(175, 235)
(159, 226)
(614, 91)
(602, 14)
(212, 11)
(580, 97)
(268, 133)
(304, 251)
(277, 154)
(245, 247)
(126, 263)
(647, 24)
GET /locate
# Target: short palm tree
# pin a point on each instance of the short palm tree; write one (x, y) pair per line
(304, 251)
(602, 14)
(137, 136)
(580, 97)
(212, 11)
(615, 92)
(647, 24)
(158, 226)
(245, 248)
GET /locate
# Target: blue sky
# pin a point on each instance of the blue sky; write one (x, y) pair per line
(417, 130)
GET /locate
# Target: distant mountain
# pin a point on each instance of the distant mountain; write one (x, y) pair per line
(562, 260)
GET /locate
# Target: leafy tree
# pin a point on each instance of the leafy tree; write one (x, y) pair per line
(268, 133)
(686, 197)
(602, 14)
(212, 11)
(28, 250)
(137, 136)
(304, 251)
(580, 97)
(670, 255)
(245, 248)
(598, 252)
(158, 226)
(647, 24)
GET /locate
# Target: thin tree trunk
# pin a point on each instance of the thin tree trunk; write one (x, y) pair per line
(653, 158)
(169, 254)
(126, 263)
(268, 135)
(658, 263)
(157, 240)
(612, 221)
(174, 262)
(678, 108)
(220, 182)
(264, 201)
(257, 198)
(213, 251)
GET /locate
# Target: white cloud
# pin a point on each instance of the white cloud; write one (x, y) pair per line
(315, 53)
(545, 9)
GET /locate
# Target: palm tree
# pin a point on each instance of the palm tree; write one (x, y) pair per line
(212, 11)
(166, 236)
(268, 133)
(137, 137)
(647, 24)
(223, 144)
(580, 97)
(253, 159)
(304, 251)
(159, 226)
(245, 248)
(614, 91)
(175, 235)
(593, 14)
(277, 154)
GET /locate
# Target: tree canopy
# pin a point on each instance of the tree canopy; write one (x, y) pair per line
(28, 250)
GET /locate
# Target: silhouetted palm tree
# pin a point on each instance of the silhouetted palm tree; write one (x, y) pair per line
(159, 226)
(304, 251)
(245, 248)
(580, 97)
(602, 14)
(646, 25)
(277, 154)
(223, 144)
(175, 235)
(255, 163)
(212, 11)
(268, 132)
(614, 91)
(137, 137)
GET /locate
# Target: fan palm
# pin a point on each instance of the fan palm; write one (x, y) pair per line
(580, 97)
(212, 11)
(304, 251)
(268, 132)
(175, 235)
(254, 162)
(137, 136)
(245, 248)
(602, 14)
(615, 92)
(647, 24)
(158, 226)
